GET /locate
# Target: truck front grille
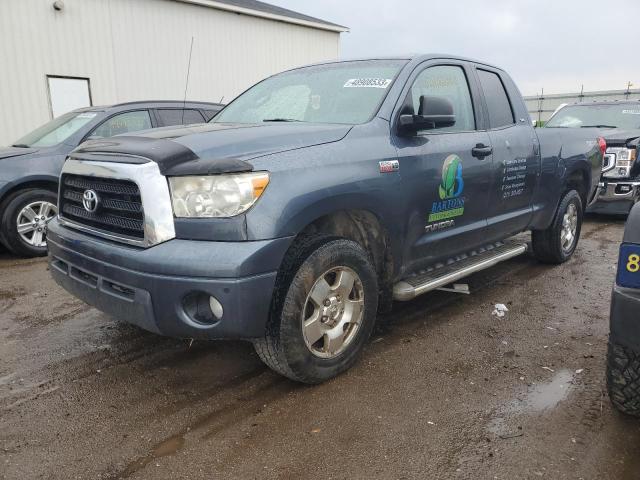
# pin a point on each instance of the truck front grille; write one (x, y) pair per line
(119, 205)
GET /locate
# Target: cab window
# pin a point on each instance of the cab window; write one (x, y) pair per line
(498, 105)
(123, 123)
(178, 116)
(449, 82)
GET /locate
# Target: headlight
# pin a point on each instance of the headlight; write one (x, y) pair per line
(619, 161)
(209, 196)
(625, 157)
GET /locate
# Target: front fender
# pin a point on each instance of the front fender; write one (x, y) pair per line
(24, 182)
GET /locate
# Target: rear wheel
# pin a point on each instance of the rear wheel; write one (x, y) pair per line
(25, 220)
(623, 378)
(557, 243)
(324, 311)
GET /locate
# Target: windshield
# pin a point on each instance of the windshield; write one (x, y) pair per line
(604, 116)
(346, 92)
(56, 131)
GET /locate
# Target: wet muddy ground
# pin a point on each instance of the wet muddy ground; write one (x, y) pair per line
(444, 390)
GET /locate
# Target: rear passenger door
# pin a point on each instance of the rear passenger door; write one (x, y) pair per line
(516, 163)
(178, 116)
(447, 187)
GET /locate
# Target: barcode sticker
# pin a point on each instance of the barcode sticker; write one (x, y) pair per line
(367, 83)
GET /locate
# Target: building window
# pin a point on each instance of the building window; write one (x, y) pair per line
(67, 93)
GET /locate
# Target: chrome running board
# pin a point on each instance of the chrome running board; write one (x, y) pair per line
(460, 267)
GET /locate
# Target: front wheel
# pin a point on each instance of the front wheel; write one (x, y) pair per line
(557, 243)
(324, 311)
(25, 220)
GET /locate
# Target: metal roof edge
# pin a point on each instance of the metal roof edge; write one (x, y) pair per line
(270, 16)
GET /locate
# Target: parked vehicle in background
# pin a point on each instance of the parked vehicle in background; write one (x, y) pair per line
(313, 200)
(30, 168)
(619, 124)
(623, 360)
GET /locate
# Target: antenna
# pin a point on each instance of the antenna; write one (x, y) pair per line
(186, 85)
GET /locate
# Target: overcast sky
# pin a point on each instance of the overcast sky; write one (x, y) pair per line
(556, 45)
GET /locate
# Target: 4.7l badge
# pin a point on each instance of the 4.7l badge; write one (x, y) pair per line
(389, 166)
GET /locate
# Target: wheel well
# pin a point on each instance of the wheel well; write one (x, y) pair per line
(8, 195)
(579, 182)
(362, 227)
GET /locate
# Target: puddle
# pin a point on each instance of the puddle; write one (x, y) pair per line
(548, 395)
(537, 399)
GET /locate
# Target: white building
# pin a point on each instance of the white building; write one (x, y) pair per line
(60, 55)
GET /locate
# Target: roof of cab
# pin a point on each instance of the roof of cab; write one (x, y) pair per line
(413, 58)
(150, 104)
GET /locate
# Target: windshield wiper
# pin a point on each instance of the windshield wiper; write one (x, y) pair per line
(598, 126)
(281, 120)
(20, 145)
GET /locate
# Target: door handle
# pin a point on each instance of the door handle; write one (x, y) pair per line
(481, 150)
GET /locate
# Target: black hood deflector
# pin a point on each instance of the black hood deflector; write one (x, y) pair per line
(173, 159)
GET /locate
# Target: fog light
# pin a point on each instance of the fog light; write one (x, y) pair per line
(202, 308)
(216, 307)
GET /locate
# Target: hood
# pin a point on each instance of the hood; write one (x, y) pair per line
(216, 147)
(9, 152)
(620, 137)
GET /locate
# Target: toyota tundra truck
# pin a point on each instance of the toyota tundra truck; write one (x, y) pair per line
(313, 201)
(618, 122)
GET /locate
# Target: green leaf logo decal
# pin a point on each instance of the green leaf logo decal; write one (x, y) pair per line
(452, 183)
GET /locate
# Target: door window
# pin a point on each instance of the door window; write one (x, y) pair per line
(124, 123)
(175, 116)
(449, 82)
(500, 112)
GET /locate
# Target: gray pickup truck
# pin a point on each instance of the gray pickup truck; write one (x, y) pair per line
(618, 122)
(315, 199)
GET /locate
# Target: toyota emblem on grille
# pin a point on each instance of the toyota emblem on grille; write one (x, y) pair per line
(90, 201)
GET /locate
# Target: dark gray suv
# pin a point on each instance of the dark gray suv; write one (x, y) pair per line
(30, 168)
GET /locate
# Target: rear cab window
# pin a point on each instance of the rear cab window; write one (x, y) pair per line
(177, 116)
(498, 104)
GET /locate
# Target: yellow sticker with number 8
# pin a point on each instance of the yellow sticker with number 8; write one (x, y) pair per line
(633, 265)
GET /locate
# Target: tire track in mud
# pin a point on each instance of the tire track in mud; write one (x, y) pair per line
(207, 426)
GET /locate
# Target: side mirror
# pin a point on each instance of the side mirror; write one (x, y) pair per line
(434, 112)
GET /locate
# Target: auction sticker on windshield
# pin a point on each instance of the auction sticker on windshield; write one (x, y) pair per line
(629, 266)
(367, 83)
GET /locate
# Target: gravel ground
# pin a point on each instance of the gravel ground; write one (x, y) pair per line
(444, 389)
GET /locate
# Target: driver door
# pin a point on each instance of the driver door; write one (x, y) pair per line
(446, 172)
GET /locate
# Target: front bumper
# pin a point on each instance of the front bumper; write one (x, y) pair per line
(151, 287)
(616, 197)
(625, 317)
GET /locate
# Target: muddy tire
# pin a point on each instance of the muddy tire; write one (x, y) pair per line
(623, 378)
(323, 311)
(23, 229)
(557, 243)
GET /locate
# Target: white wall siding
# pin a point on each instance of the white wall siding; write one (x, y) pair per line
(138, 50)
